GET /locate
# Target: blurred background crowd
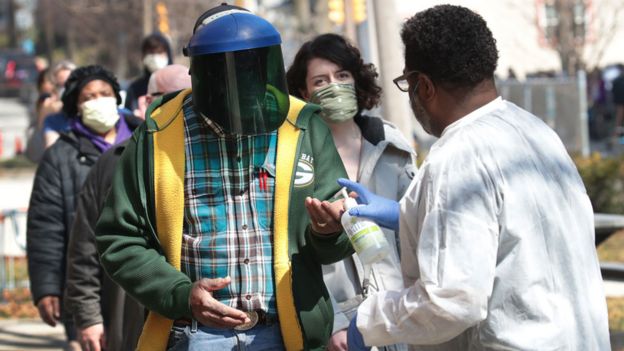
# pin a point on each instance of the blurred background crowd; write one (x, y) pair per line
(557, 57)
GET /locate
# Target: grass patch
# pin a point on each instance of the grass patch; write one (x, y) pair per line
(616, 313)
(612, 250)
(17, 302)
(17, 162)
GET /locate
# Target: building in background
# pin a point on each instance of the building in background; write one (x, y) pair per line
(525, 31)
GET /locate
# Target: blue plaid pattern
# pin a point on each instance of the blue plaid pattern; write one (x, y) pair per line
(228, 211)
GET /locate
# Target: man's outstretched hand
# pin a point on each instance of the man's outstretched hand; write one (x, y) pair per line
(325, 215)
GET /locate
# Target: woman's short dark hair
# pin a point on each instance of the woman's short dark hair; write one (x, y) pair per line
(335, 48)
(154, 42)
(450, 44)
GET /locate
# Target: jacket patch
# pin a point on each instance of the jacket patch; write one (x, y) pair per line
(305, 171)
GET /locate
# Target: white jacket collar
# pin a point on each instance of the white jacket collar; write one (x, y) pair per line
(493, 105)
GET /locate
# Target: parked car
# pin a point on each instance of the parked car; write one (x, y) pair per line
(18, 73)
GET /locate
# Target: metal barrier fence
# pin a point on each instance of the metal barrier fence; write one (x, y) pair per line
(12, 246)
(560, 102)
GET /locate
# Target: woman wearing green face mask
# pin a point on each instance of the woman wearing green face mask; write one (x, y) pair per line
(329, 71)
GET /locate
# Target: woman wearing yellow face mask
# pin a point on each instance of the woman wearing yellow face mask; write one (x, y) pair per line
(330, 72)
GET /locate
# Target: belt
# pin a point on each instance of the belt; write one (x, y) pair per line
(257, 317)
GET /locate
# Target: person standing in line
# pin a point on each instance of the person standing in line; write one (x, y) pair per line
(45, 89)
(330, 72)
(54, 119)
(105, 317)
(171, 76)
(497, 232)
(35, 143)
(90, 99)
(155, 54)
(617, 91)
(210, 221)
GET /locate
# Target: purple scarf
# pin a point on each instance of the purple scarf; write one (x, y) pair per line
(123, 133)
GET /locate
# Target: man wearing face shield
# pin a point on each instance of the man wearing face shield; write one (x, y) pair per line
(207, 222)
(496, 230)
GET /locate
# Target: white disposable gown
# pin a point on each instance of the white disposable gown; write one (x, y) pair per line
(497, 245)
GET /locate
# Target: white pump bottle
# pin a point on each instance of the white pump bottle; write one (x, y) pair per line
(366, 236)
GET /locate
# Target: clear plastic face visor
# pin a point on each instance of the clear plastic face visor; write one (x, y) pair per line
(244, 91)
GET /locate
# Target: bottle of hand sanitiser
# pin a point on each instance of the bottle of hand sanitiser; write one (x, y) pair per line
(366, 237)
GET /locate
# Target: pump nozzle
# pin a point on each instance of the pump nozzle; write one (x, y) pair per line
(349, 201)
(344, 193)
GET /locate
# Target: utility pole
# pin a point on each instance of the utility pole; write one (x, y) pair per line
(48, 18)
(390, 52)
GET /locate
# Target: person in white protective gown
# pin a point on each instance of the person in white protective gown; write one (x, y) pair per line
(496, 230)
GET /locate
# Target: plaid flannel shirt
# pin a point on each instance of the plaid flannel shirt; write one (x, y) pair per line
(228, 211)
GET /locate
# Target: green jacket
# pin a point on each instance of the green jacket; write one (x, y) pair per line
(139, 233)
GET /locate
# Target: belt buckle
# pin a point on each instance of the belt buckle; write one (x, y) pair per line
(253, 320)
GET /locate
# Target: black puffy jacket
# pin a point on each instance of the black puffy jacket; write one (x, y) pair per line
(58, 181)
(91, 296)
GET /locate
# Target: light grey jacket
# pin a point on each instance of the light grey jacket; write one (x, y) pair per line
(387, 167)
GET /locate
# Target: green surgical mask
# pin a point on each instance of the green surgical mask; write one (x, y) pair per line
(338, 102)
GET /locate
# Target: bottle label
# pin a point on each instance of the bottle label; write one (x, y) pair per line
(360, 226)
(364, 236)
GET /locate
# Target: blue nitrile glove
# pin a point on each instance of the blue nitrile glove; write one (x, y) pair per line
(382, 211)
(355, 341)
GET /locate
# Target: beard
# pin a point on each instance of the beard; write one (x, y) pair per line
(419, 111)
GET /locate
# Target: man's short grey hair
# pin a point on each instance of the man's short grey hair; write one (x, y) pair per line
(61, 66)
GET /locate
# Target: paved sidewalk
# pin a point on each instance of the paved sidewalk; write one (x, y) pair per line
(34, 335)
(28, 334)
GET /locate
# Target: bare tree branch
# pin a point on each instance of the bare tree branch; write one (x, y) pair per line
(606, 34)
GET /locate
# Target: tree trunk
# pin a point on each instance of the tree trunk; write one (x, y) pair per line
(567, 44)
(148, 21)
(49, 30)
(70, 37)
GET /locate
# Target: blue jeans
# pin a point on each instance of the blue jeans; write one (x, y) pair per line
(259, 338)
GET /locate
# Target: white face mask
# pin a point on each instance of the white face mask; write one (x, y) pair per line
(100, 115)
(154, 62)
